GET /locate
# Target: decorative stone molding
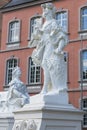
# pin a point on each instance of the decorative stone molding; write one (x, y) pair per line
(25, 125)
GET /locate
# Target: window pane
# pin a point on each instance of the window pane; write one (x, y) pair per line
(37, 74)
(85, 109)
(85, 119)
(83, 18)
(14, 29)
(10, 66)
(84, 11)
(58, 16)
(62, 19)
(84, 23)
(34, 73)
(84, 58)
(84, 103)
(64, 15)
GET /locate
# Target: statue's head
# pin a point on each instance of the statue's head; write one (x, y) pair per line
(48, 8)
(16, 72)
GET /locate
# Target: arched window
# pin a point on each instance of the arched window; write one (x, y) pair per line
(11, 63)
(34, 73)
(14, 31)
(62, 18)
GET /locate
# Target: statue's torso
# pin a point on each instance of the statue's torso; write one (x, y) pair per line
(47, 28)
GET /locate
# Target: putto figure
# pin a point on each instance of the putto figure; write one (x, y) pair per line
(17, 95)
(50, 40)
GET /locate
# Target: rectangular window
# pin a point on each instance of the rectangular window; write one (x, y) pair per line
(11, 63)
(14, 31)
(84, 18)
(62, 19)
(34, 73)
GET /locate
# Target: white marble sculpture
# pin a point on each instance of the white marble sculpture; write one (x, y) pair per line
(50, 40)
(17, 96)
(50, 109)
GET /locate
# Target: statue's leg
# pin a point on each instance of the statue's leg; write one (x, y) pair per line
(54, 76)
(47, 81)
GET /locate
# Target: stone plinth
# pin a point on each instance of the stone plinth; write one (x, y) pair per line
(47, 116)
(6, 121)
(52, 98)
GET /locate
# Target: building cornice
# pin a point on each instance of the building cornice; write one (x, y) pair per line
(21, 6)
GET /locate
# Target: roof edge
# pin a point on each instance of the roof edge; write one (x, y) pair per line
(33, 3)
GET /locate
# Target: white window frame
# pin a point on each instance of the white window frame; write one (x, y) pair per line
(14, 32)
(81, 18)
(31, 66)
(9, 69)
(61, 20)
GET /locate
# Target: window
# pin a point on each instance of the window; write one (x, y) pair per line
(62, 19)
(83, 16)
(14, 31)
(11, 63)
(85, 115)
(84, 64)
(33, 22)
(34, 73)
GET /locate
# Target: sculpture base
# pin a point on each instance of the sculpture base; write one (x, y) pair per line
(53, 98)
(47, 115)
(6, 121)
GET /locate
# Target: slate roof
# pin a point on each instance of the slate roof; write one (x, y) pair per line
(18, 2)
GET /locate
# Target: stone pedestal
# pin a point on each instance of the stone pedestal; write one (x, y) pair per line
(6, 121)
(40, 115)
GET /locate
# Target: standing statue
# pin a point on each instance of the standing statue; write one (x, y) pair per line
(50, 40)
(17, 95)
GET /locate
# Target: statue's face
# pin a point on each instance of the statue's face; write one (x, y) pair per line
(47, 12)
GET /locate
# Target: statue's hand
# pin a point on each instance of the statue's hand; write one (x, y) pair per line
(57, 51)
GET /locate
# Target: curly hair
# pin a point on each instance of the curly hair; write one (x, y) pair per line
(50, 6)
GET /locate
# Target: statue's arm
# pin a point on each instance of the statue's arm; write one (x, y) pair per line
(54, 29)
(60, 47)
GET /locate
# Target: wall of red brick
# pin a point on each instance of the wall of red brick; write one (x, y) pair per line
(24, 15)
(2, 3)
